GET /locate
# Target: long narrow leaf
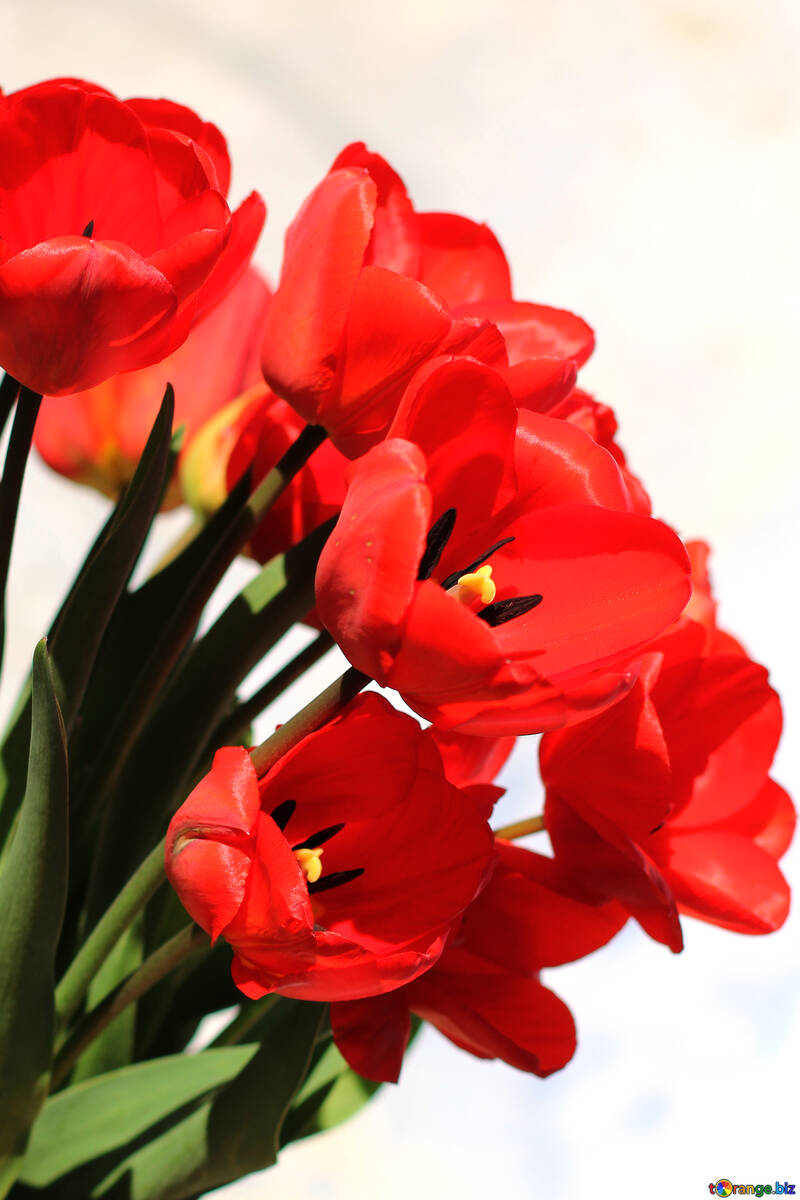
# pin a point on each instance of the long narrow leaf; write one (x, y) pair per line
(33, 887)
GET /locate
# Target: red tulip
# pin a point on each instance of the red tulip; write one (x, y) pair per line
(464, 486)
(664, 802)
(339, 874)
(370, 289)
(484, 993)
(96, 437)
(116, 235)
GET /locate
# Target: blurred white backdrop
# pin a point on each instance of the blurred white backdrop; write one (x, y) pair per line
(639, 163)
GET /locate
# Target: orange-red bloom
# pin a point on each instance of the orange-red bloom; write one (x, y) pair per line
(484, 993)
(116, 235)
(465, 486)
(664, 801)
(97, 436)
(370, 289)
(339, 874)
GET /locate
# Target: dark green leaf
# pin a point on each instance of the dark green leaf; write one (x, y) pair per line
(231, 1135)
(161, 764)
(102, 1114)
(78, 629)
(33, 888)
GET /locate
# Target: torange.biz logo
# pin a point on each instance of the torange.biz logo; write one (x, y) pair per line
(724, 1187)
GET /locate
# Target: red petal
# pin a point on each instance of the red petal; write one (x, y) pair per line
(616, 763)
(325, 247)
(394, 242)
(470, 760)
(394, 324)
(496, 1014)
(540, 383)
(611, 581)
(727, 880)
(769, 820)
(209, 845)
(74, 312)
(558, 463)
(535, 330)
(446, 655)
(460, 414)
(166, 114)
(527, 917)
(245, 229)
(366, 576)
(461, 260)
(607, 864)
(372, 1034)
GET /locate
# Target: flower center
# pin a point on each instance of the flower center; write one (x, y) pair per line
(473, 582)
(310, 862)
(475, 585)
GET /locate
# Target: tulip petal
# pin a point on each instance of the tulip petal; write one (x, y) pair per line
(727, 880)
(496, 1014)
(55, 346)
(372, 1034)
(325, 247)
(461, 260)
(536, 330)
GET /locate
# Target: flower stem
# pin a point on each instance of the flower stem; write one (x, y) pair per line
(121, 913)
(8, 394)
(319, 710)
(152, 970)
(19, 446)
(520, 829)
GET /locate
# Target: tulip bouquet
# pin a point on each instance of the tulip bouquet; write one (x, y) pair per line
(404, 448)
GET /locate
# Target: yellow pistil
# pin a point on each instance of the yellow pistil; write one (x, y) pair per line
(477, 585)
(310, 862)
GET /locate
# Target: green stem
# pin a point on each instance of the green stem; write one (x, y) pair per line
(245, 1020)
(152, 970)
(19, 445)
(319, 710)
(106, 933)
(520, 829)
(228, 729)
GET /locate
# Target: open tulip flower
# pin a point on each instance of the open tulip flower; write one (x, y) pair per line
(96, 437)
(339, 874)
(484, 993)
(370, 289)
(488, 565)
(116, 235)
(664, 801)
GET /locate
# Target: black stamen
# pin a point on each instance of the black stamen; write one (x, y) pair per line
(454, 578)
(282, 815)
(89, 230)
(657, 828)
(319, 839)
(437, 539)
(505, 610)
(335, 880)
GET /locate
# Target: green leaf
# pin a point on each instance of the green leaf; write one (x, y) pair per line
(78, 629)
(231, 1135)
(103, 1114)
(33, 887)
(162, 762)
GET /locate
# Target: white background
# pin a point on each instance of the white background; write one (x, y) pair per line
(639, 162)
